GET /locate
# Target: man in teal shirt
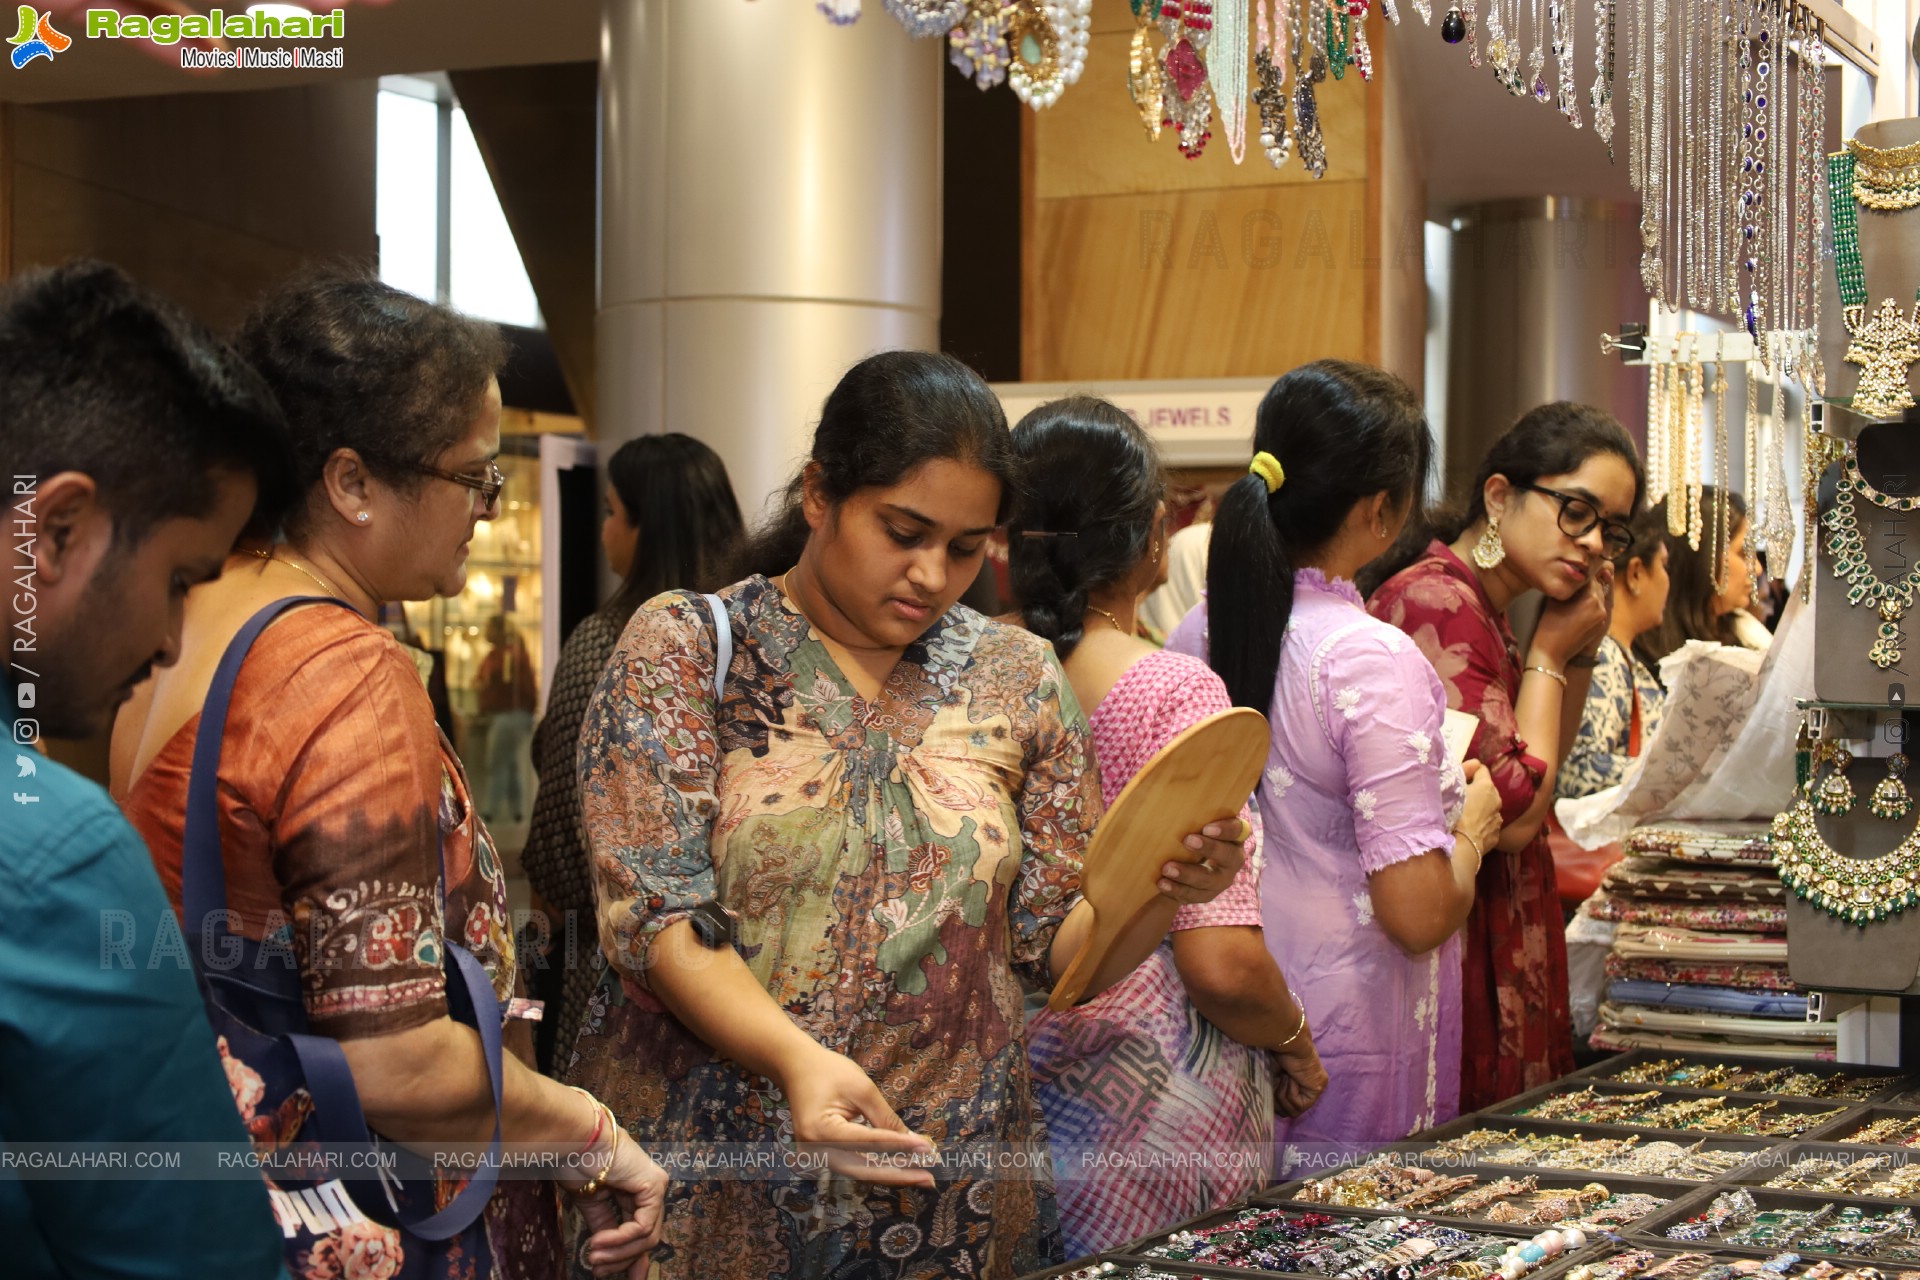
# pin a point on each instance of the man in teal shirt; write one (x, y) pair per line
(133, 449)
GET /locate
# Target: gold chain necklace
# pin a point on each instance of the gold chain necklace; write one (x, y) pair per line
(1094, 608)
(326, 586)
(1886, 179)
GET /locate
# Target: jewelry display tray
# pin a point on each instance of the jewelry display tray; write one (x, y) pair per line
(1652, 1229)
(1746, 1146)
(1772, 1164)
(1829, 1111)
(1548, 1179)
(1845, 1126)
(1605, 1071)
(1136, 1253)
(1766, 1156)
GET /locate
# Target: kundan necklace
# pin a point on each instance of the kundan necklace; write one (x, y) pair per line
(1852, 565)
(1886, 345)
(1857, 890)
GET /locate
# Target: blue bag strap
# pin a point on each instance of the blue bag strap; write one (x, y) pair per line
(723, 646)
(203, 874)
(338, 1116)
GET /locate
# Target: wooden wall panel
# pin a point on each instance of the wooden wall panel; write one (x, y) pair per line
(1196, 284)
(1139, 263)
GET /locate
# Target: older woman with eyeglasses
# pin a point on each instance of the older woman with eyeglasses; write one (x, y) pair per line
(346, 821)
(1547, 512)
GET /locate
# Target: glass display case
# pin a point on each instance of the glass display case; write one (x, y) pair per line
(486, 644)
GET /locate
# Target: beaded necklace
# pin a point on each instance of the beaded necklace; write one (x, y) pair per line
(1886, 345)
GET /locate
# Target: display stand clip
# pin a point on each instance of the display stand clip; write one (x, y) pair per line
(1631, 344)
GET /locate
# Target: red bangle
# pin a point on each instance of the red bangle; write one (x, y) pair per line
(599, 1118)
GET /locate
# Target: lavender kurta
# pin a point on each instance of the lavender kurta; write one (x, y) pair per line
(1358, 779)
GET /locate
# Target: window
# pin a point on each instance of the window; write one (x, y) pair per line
(442, 233)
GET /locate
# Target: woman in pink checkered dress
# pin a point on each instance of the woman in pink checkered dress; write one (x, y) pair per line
(1160, 1094)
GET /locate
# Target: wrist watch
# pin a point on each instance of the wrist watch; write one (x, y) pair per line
(714, 925)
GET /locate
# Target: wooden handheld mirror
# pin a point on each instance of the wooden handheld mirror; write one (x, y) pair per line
(1204, 775)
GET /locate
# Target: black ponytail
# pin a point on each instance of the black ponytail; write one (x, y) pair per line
(1342, 432)
(1550, 440)
(1093, 483)
(889, 414)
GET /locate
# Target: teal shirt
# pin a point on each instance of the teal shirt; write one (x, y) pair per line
(95, 1051)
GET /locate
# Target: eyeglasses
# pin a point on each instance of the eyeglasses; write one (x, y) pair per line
(1579, 516)
(488, 488)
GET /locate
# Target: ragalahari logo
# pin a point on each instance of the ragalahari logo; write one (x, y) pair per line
(37, 38)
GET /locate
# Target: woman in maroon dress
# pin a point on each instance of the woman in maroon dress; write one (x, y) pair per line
(1547, 513)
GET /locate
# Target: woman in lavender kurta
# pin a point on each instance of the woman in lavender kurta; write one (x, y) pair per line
(1372, 835)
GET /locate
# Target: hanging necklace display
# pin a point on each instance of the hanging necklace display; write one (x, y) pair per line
(1306, 111)
(1813, 125)
(924, 18)
(1695, 391)
(1887, 344)
(1723, 467)
(1146, 82)
(1600, 98)
(1362, 51)
(1537, 60)
(1652, 203)
(1270, 95)
(1038, 72)
(1779, 504)
(1659, 467)
(1188, 27)
(978, 46)
(1561, 14)
(1227, 72)
(1851, 565)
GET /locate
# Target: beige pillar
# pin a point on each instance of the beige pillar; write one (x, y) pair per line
(769, 214)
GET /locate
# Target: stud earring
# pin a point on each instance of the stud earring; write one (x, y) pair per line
(1490, 550)
(1891, 800)
(362, 517)
(1834, 795)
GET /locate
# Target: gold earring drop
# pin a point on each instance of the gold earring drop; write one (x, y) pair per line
(1490, 550)
(1834, 795)
(1890, 800)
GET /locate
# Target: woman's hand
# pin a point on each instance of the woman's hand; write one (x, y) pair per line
(1222, 850)
(625, 1217)
(1574, 627)
(841, 1113)
(1481, 817)
(1302, 1079)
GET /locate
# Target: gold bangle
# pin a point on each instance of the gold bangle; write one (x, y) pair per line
(1556, 676)
(1297, 1030)
(1479, 853)
(592, 1186)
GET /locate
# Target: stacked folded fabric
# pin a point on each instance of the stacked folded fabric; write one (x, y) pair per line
(1697, 955)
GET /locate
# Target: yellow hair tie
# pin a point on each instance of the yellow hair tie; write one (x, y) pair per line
(1268, 468)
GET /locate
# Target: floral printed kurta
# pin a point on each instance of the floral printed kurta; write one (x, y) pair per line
(1137, 1073)
(1600, 755)
(1519, 1025)
(894, 864)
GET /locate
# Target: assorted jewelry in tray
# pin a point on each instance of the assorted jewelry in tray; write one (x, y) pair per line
(1627, 1157)
(1850, 1230)
(1386, 1183)
(1892, 1130)
(1656, 1110)
(1641, 1264)
(1874, 1175)
(1349, 1248)
(1787, 1081)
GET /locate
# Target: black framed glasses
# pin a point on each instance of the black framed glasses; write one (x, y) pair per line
(488, 487)
(1578, 517)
